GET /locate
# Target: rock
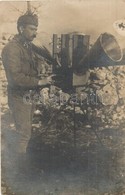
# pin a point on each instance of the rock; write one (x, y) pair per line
(3, 190)
(3, 101)
(114, 117)
(12, 125)
(37, 112)
(101, 74)
(107, 95)
(122, 92)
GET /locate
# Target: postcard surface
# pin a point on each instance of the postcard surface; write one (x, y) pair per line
(62, 85)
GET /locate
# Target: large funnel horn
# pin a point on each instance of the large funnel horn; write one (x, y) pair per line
(105, 52)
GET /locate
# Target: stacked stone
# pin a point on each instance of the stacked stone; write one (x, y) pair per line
(3, 81)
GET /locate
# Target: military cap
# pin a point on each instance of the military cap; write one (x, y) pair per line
(27, 19)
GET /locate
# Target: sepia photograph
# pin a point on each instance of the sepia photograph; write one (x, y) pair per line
(62, 97)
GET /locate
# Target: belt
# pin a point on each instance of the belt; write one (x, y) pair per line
(18, 88)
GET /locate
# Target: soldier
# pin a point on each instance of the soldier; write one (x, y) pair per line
(21, 72)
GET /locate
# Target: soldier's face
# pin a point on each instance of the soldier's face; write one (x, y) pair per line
(30, 32)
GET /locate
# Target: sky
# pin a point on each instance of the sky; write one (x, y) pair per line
(91, 17)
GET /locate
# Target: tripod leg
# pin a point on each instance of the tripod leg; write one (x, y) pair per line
(74, 127)
(97, 137)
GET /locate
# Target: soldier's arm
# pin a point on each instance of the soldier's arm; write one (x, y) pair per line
(12, 57)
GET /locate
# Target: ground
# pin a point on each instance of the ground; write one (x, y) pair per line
(89, 168)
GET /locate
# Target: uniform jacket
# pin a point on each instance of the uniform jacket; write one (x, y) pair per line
(20, 64)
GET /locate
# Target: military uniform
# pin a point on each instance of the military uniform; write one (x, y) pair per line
(21, 72)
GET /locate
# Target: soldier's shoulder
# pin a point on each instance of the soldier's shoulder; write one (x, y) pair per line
(11, 45)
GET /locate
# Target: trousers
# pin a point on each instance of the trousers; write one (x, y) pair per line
(22, 114)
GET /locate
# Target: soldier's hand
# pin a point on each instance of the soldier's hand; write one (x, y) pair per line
(46, 81)
(50, 79)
